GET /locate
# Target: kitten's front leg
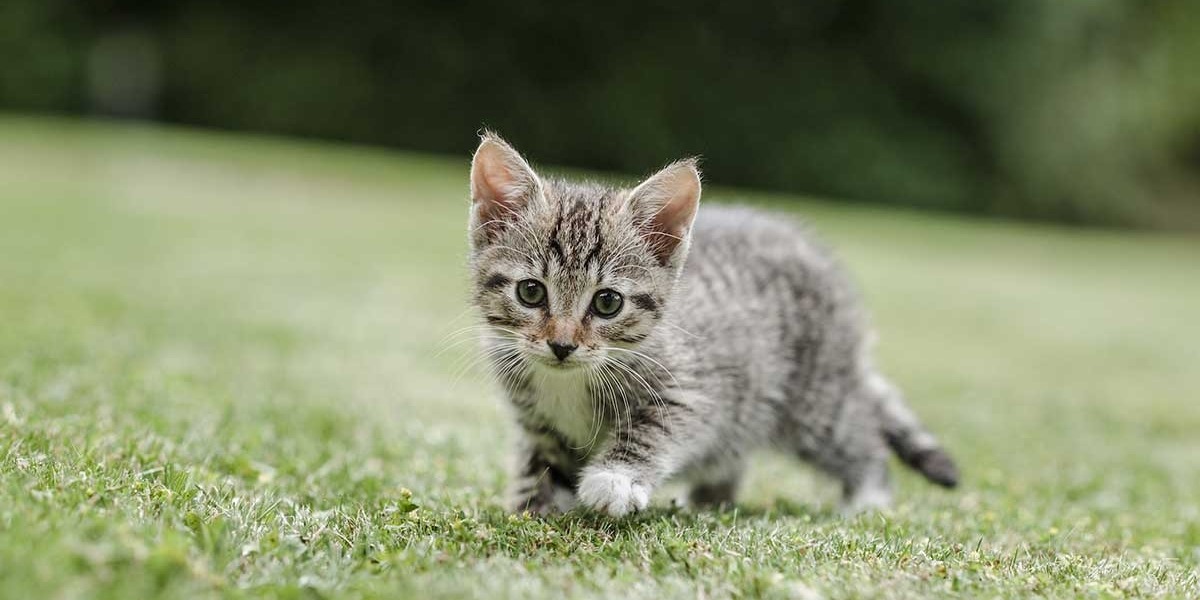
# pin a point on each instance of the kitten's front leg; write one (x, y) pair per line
(543, 485)
(642, 455)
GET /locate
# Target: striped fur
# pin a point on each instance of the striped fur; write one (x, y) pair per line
(737, 332)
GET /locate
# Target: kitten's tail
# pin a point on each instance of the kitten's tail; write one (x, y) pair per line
(908, 438)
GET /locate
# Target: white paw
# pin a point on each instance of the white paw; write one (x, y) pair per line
(869, 500)
(612, 492)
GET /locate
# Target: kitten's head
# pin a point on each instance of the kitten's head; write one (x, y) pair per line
(568, 273)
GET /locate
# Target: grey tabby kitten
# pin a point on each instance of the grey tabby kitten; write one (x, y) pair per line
(629, 365)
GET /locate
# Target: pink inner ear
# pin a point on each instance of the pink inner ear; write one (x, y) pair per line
(492, 193)
(666, 232)
(491, 181)
(676, 194)
(500, 183)
(675, 217)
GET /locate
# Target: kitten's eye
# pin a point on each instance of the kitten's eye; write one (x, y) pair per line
(531, 293)
(607, 303)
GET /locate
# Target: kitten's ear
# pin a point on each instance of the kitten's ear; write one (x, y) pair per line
(502, 184)
(664, 207)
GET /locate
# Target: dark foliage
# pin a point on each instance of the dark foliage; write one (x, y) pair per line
(1083, 112)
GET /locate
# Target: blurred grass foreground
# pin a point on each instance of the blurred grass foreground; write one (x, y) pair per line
(219, 376)
(1084, 112)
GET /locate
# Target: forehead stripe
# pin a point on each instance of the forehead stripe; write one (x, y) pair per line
(594, 253)
(554, 246)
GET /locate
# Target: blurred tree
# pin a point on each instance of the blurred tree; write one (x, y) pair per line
(1082, 111)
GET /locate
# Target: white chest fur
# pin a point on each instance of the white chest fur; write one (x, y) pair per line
(561, 397)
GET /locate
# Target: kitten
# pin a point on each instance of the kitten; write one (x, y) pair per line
(631, 360)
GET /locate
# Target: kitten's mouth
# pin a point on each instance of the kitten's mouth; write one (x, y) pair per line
(559, 365)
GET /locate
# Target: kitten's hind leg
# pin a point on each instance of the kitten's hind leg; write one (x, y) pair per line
(855, 452)
(866, 486)
(713, 495)
(717, 490)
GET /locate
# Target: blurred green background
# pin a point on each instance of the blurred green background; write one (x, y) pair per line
(1082, 112)
(233, 365)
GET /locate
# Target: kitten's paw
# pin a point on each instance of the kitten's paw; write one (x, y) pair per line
(612, 492)
(868, 500)
(547, 502)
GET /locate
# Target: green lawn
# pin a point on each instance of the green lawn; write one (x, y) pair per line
(220, 376)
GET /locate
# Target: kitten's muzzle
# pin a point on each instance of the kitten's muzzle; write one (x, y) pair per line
(561, 351)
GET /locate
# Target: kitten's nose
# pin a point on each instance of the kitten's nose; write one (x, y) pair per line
(562, 351)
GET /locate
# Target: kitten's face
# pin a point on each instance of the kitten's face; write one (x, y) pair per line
(572, 275)
(567, 275)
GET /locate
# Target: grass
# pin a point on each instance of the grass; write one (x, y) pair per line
(219, 376)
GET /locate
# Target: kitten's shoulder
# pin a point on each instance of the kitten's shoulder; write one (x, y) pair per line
(722, 225)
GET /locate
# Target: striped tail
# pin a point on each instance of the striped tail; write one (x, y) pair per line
(915, 446)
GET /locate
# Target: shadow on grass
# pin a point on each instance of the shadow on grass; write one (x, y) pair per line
(673, 516)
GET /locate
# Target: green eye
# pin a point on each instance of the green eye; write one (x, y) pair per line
(531, 292)
(607, 303)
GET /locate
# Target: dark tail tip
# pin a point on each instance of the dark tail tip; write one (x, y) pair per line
(937, 466)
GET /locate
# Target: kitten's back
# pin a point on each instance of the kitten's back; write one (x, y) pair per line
(764, 273)
(772, 305)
